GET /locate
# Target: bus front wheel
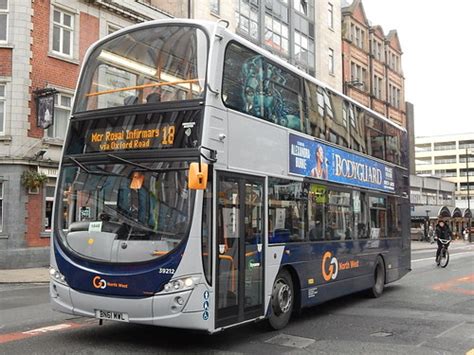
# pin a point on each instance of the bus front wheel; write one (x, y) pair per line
(379, 279)
(282, 300)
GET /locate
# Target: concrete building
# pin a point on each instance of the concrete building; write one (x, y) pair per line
(42, 44)
(306, 34)
(429, 197)
(410, 117)
(372, 64)
(450, 157)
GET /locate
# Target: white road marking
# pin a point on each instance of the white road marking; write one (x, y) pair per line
(451, 255)
(51, 328)
(448, 330)
(441, 334)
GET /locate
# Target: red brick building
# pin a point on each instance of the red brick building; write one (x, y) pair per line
(42, 45)
(372, 70)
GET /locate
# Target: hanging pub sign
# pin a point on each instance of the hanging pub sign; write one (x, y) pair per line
(45, 107)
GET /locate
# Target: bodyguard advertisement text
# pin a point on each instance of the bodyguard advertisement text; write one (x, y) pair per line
(314, 159)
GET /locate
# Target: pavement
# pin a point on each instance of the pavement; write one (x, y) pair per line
(41, 274)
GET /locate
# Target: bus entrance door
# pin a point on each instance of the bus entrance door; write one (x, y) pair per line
(239, 257)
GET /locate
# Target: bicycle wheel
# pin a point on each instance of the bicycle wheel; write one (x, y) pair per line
(444, 258)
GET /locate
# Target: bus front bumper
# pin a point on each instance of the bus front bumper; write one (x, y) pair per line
(188, 309)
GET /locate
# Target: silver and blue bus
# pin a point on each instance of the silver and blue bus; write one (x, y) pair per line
(206, 183)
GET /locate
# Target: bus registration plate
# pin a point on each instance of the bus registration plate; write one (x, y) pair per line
(118, 316)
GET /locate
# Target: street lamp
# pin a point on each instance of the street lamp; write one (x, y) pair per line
(352, 84)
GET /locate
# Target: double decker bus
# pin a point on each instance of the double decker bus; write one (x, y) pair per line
(205, 183)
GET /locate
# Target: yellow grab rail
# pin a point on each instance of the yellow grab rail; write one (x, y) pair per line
(141, 87)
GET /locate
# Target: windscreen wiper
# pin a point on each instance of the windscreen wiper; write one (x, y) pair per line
(137, 224)
(92, 172)
(144, 167)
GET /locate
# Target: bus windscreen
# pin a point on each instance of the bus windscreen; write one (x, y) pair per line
(145, 66)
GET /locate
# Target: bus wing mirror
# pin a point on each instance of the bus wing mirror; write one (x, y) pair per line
(197, 177)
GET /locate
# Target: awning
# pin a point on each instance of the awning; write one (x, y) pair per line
(456, 213)
(430, 211)
(435, 212)
(467, 213)
(444, 212)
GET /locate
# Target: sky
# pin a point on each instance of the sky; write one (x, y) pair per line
(438, 59)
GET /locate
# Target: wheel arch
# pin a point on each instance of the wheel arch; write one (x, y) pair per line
(296, 285)
(384, 266)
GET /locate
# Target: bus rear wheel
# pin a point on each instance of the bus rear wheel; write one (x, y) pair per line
(282, 300)
(379, 279)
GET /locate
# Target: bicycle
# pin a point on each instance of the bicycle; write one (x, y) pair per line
(443, 257)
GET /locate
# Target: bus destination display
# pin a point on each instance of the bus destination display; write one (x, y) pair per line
(101, 140)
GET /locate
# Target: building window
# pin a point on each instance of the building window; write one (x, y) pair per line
(394, 96)
(2, 108)
(357, 36)
(393, 61)
(377, 50)
(446, 160)
(3, 20)
(215, 6)
(247, 18)
(446, 173)
(330, 15)
(331, 61)
(358, 73)
(422, 161)
(301, 6)
(111, 28)
(63, 29)
(62, 111)
(464, 157)
(378, 85)
(423, 147)
(444, 146)
(466, 144)
(48, 207)
(276, 34)
(304, 50)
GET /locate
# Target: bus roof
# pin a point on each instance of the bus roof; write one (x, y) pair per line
(212, 27)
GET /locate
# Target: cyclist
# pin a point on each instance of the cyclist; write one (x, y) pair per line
(442, 232)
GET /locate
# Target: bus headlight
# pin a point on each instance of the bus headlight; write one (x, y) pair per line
(57, 276)
(181, 284)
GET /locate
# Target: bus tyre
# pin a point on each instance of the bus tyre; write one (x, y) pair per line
(379, 279)
(282, 300)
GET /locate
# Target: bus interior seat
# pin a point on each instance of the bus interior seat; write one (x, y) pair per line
(154, 97)
(130, 100)
(281, 236)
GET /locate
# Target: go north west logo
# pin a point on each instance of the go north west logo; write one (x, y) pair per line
(97, 282)
(329, 266)
(100, 283)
